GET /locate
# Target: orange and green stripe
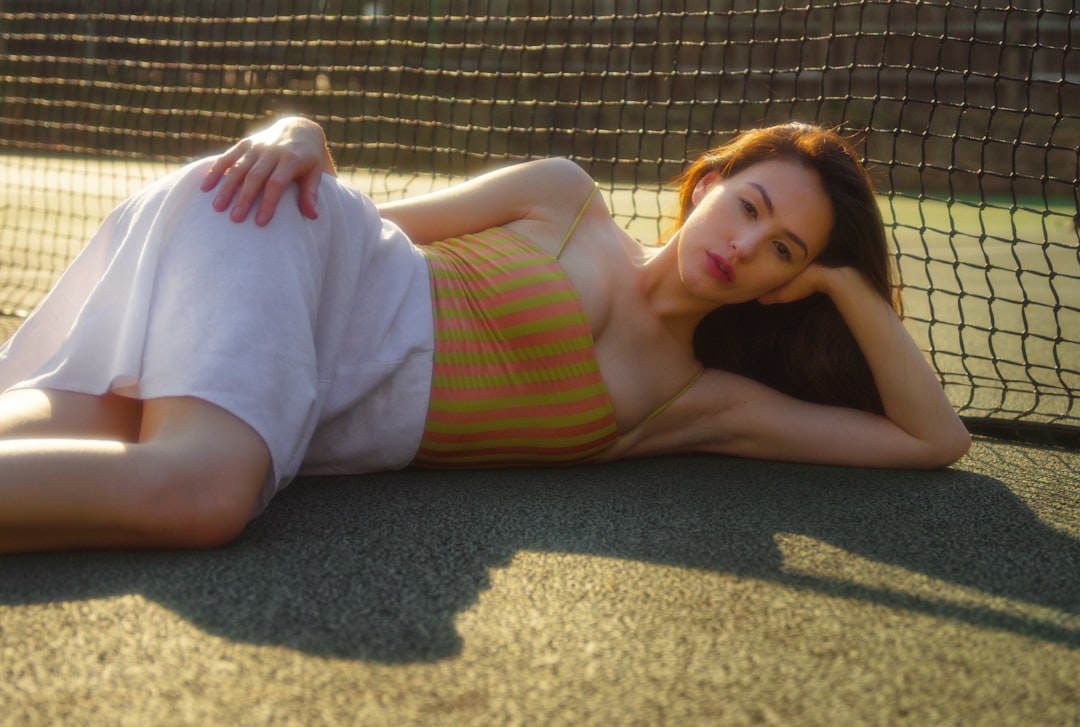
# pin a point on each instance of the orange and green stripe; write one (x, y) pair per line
(515, 378)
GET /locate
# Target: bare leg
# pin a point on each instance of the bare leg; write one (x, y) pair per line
(46, 413)
(189, 480)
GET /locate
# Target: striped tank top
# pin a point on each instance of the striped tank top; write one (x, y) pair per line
(515, 378)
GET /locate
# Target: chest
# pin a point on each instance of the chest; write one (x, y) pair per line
(640, 361)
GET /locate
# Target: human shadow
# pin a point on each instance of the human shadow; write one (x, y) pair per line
(378, 567)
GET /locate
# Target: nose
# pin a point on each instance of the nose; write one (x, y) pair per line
(743, 247)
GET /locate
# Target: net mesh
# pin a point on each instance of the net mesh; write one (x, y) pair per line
(968, 114)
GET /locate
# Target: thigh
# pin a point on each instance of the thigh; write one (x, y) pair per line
(191, 480)
(48, 413)
(191, 426)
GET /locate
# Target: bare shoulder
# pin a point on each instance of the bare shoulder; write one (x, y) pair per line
(557, 189)
(570, 216)
(571, 178)
(546, 188)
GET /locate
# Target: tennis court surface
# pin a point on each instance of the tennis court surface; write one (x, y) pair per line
(682, 591)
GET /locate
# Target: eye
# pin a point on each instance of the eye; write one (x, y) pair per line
(782, 250)
(749, 208)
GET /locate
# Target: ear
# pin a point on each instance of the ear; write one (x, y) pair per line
(703, 186)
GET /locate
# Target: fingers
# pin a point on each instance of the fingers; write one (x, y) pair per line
(309, 193)
(250, 176)
(246, 171)
(259, 168)
(222, 164)
(271, 176)
(272, 189)
(231, 170)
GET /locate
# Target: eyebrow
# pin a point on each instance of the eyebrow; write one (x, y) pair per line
(769, 206)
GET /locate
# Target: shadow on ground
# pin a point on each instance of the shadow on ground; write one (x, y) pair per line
(377, 567)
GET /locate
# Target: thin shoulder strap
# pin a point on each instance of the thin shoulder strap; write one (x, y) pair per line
(660, 409)
(580, 214)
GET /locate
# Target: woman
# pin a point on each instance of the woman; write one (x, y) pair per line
(191, 362)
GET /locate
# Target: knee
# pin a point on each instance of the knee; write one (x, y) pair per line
(202, 504)
(205, 469)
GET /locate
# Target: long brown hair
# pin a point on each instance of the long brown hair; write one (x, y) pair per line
(804, 348)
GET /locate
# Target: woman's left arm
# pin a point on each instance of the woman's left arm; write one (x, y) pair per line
(729, 414)
(910, 392)
(923, 429)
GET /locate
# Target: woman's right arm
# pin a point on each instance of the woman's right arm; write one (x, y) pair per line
(267, 162)
(294, 149)
(544, 191)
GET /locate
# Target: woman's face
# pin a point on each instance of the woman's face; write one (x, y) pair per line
(752, 232)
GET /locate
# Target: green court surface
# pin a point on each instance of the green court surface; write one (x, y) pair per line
(678, 591)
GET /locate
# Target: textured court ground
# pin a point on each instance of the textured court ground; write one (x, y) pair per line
(679, 591)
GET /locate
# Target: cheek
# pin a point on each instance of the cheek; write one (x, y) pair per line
(781, 275)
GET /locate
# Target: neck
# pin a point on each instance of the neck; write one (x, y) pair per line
(666, 297)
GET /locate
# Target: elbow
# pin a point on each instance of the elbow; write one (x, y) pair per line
(948, 448)
(959, 442)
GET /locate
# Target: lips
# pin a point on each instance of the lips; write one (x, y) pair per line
(719, 268)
